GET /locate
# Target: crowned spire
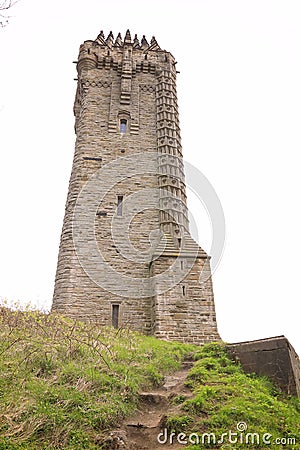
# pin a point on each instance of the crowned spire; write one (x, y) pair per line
(127, 39)
(144, 43)
(101, 38)
(118, 41)
(136, 43)
(153, 44)
(110, 39)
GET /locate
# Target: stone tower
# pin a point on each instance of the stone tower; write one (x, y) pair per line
(126, 256)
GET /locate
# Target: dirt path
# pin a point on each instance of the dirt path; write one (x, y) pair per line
(140, 431)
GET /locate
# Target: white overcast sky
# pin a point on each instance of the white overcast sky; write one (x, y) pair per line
(239, 100)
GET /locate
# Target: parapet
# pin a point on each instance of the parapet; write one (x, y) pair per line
(113, 53)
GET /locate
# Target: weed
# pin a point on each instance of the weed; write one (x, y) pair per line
(64, 382)
(178, 424)
(224, 396)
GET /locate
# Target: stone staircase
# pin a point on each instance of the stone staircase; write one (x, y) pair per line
(140, 431)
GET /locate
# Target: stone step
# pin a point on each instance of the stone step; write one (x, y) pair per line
(188, 364)
(149, 422)
(140, 425)
(153, 398)
(171, 382)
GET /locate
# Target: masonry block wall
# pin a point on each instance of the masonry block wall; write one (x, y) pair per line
(128, 140)
(272, 357)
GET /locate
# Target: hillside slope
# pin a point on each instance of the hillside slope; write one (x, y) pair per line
(66, 384)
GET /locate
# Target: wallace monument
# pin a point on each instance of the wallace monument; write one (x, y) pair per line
(126, 255)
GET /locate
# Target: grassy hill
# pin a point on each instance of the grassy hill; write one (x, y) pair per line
(64, 384)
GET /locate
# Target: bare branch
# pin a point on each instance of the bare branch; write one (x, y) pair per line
(7, 4)
(4, 7)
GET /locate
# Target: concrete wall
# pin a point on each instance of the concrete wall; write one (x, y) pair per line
(273, 357)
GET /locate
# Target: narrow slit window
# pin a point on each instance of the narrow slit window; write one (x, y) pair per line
(181, 265)
(123, 126)
(120, 205)
(179, 242)
(115, 315)
(183, 290)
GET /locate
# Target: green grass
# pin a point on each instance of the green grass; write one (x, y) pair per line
(224, 396)
(64, 384)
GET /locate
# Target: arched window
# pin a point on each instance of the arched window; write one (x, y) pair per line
(123, 125)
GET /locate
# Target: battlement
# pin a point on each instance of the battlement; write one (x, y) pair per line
(118, 54)
(118, 42)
